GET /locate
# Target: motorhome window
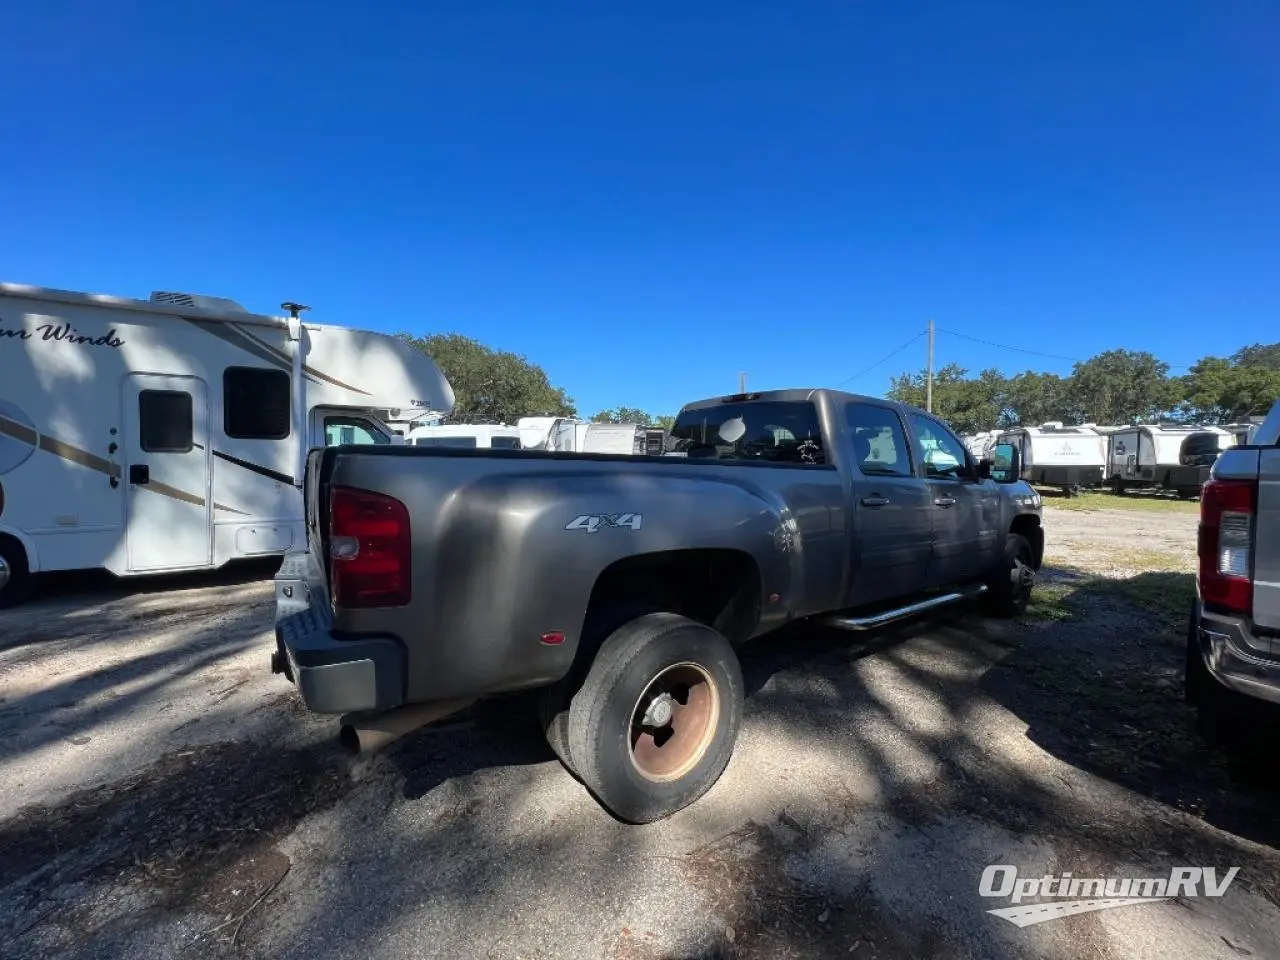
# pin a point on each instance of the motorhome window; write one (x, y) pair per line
(255, 403)
(879, 442)
(769, 432)
(942, 454)
(340, 431)
(445, 442)
(504, 443)
(165, 422)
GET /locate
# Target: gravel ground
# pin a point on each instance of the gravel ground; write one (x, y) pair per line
(161, 794)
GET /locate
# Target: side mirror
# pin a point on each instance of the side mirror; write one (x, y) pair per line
(1006, 465)
(984, 469)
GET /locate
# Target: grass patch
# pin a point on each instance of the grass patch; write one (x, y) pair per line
(1148, 561)
(1097, 502)
(1049, 602)
(1166, 594)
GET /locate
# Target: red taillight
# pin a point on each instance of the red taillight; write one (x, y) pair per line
(369, 549)
(1225, 546)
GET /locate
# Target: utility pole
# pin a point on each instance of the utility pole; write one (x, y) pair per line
(742, 382)
(928, 385)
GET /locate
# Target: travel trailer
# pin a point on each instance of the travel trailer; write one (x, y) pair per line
(979, 444)
(624, 438)
(1055, 455)
(549, 433)
(483, 436)
(1175, 457)
(171, 434)
(1244, 431)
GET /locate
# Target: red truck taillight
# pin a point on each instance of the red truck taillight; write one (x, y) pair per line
(1225, 546)
(369, 548)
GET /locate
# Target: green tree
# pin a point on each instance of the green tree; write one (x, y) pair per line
(1264, 355)
(1223, 391)
(1034, 398)
(632, 415)
(493, 384)
(1122, 386)
(968, 404)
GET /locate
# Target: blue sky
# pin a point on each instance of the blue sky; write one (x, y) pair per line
(647, 198)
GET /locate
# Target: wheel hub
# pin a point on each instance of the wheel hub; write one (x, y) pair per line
(660, 711)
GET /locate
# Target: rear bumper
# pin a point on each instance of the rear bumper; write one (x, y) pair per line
(1237, 658)
(336, 675)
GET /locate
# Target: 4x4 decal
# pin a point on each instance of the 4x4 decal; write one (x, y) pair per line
(594, 523)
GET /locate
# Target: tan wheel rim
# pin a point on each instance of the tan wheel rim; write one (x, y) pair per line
(674, 722)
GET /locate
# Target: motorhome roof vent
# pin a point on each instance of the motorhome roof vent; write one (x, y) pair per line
(221, 304)
(1051, 425)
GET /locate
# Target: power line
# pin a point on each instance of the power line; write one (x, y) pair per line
(1035, 353)
(863, 373)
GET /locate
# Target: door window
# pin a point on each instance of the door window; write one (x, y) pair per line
(459, 441)
(347, 430)
(879, 442)
(941, 453)
(165, 421)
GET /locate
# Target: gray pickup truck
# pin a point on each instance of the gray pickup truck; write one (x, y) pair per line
(620, 584)
(1233, 643)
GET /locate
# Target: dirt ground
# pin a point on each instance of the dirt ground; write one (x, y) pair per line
(162, 793)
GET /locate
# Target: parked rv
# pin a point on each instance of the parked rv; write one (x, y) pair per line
(1055, 455)
(171, 434)
(980, 444)
(1175, 457)
(484, 436)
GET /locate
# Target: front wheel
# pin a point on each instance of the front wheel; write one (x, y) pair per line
(1009, 586)
(15, 576)
(656, 719)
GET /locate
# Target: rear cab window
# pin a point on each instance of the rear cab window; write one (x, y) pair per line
(780, 432)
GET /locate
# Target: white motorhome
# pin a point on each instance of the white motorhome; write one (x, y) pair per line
(1175, 457)
(567, 435)
(1056, 455)
(483, 436)
(171, 434)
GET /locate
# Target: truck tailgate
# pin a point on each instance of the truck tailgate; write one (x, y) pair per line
(1266, 564)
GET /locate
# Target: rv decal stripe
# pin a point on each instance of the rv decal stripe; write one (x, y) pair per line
(236, 337)
(19, 431)
(24, 434)
(310, 371)
(264, 351)
(173, 492)
(255, 468)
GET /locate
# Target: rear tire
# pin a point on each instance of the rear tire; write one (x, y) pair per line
(656, 719)
(1117, 486)
(19, 584)
(1010, 584)
(1194, 675)
(553, 717)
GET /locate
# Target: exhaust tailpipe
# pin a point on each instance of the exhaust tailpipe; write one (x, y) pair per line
(363, 734)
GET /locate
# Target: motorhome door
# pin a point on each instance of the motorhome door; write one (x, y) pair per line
(168, 517)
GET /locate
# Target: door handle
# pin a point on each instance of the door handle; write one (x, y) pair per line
(945, 501)
(876, 501)
(140, 474)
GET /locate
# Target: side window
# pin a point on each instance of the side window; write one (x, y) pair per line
(445, 442)
(255, 403)
(941, 453)
(345, 430)
(165, 423)
(505, 443)
(879, 442)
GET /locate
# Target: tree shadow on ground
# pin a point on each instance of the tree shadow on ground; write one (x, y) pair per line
(1099, 682)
